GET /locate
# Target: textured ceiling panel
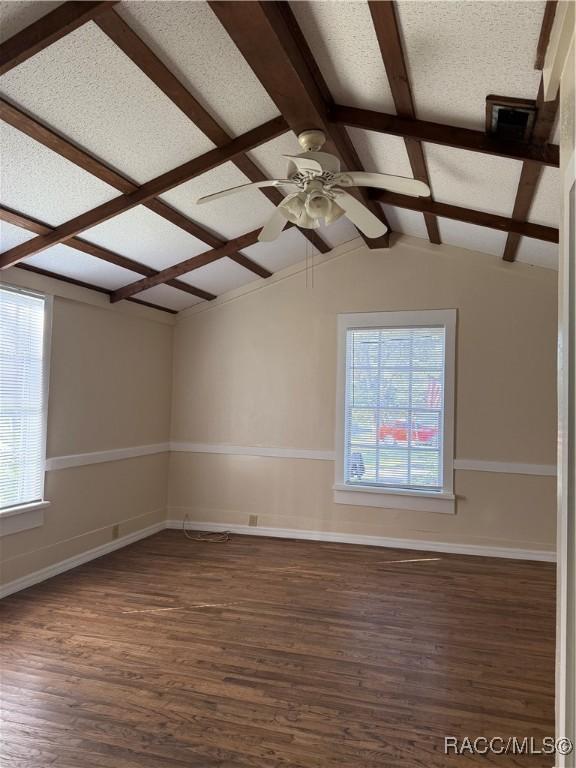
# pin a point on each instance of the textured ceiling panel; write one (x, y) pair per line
(387, 154)
(538, 253)
(11, 236)
(88, 90)
(546, 206)
(459, 52)
(229, 217)
(268, 157)
(473, 180)
(343, 41)
(15, 15)
(290, 248)
(192, 43)
(42, 184)
(405, 221)
(68, 261)
(220, 276)
(72, 263)
(145, 237)
(381, 152)
(472, 237)
(166, 296)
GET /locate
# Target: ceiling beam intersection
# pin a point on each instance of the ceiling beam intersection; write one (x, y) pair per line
(468, 215)
(269, 38)
(64, 147)
(48, 29)
(531, 172)
(446, 135)
(90, 286)
(546, 114)
(387, 28)
(114, 26)
(228, 249)
(40, 228)
(151, 189)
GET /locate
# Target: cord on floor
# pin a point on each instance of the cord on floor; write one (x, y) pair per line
(216, 537)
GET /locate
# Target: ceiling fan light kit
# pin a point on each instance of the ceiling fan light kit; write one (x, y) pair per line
(321, 191)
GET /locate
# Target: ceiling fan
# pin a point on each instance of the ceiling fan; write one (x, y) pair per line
(321, 191)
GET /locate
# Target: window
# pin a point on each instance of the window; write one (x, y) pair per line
(24, 333)
(395, 430)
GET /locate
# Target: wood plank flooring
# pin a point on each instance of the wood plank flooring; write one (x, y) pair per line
(269, 653)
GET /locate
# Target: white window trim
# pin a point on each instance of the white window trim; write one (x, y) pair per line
(22, 518)
(398, 498)
(30, 514)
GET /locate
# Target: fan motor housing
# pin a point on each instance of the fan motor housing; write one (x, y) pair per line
(312, 141)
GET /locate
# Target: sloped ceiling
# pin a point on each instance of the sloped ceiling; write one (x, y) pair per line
(86, 89)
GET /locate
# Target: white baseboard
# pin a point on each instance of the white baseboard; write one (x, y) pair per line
(372, 541)
(281, 533)
(65, 565)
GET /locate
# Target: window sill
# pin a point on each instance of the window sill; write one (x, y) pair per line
(22, 518)
(395, 498)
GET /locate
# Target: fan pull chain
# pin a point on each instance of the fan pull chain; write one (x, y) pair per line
(309, 265)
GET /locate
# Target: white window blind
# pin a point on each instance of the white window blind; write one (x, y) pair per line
(22, 397)
(394, 407)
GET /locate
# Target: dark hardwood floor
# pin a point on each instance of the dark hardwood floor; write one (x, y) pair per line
(271, 653)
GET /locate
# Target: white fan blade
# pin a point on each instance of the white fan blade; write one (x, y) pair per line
(274, 226)
(401, 184)
(360, 216)
(254, 185)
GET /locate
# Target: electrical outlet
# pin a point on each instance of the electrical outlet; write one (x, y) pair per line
(253, 520)
(115, 531)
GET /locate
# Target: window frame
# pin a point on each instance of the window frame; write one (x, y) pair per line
(390, 497)
(9, 516)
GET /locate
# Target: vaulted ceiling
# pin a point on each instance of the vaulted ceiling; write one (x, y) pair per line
(116, 116)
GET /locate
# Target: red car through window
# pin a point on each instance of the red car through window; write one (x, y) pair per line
(397, 432)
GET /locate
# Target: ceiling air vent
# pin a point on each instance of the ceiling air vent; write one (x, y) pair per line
(511, 119)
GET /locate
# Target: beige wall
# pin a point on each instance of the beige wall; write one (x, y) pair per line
(110, 387)
(259, 369)
(110, 382)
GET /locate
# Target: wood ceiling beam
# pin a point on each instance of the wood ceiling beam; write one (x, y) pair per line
(268, 36)
(545, 30)
(48, 29)
(36, 130)
(49, 138)
(531, 172)
(114, 26)
(147, 191)
(228, 249)
(446, 135)
(468, 215)
(39, 228)
(90, 286)
(387, 27)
